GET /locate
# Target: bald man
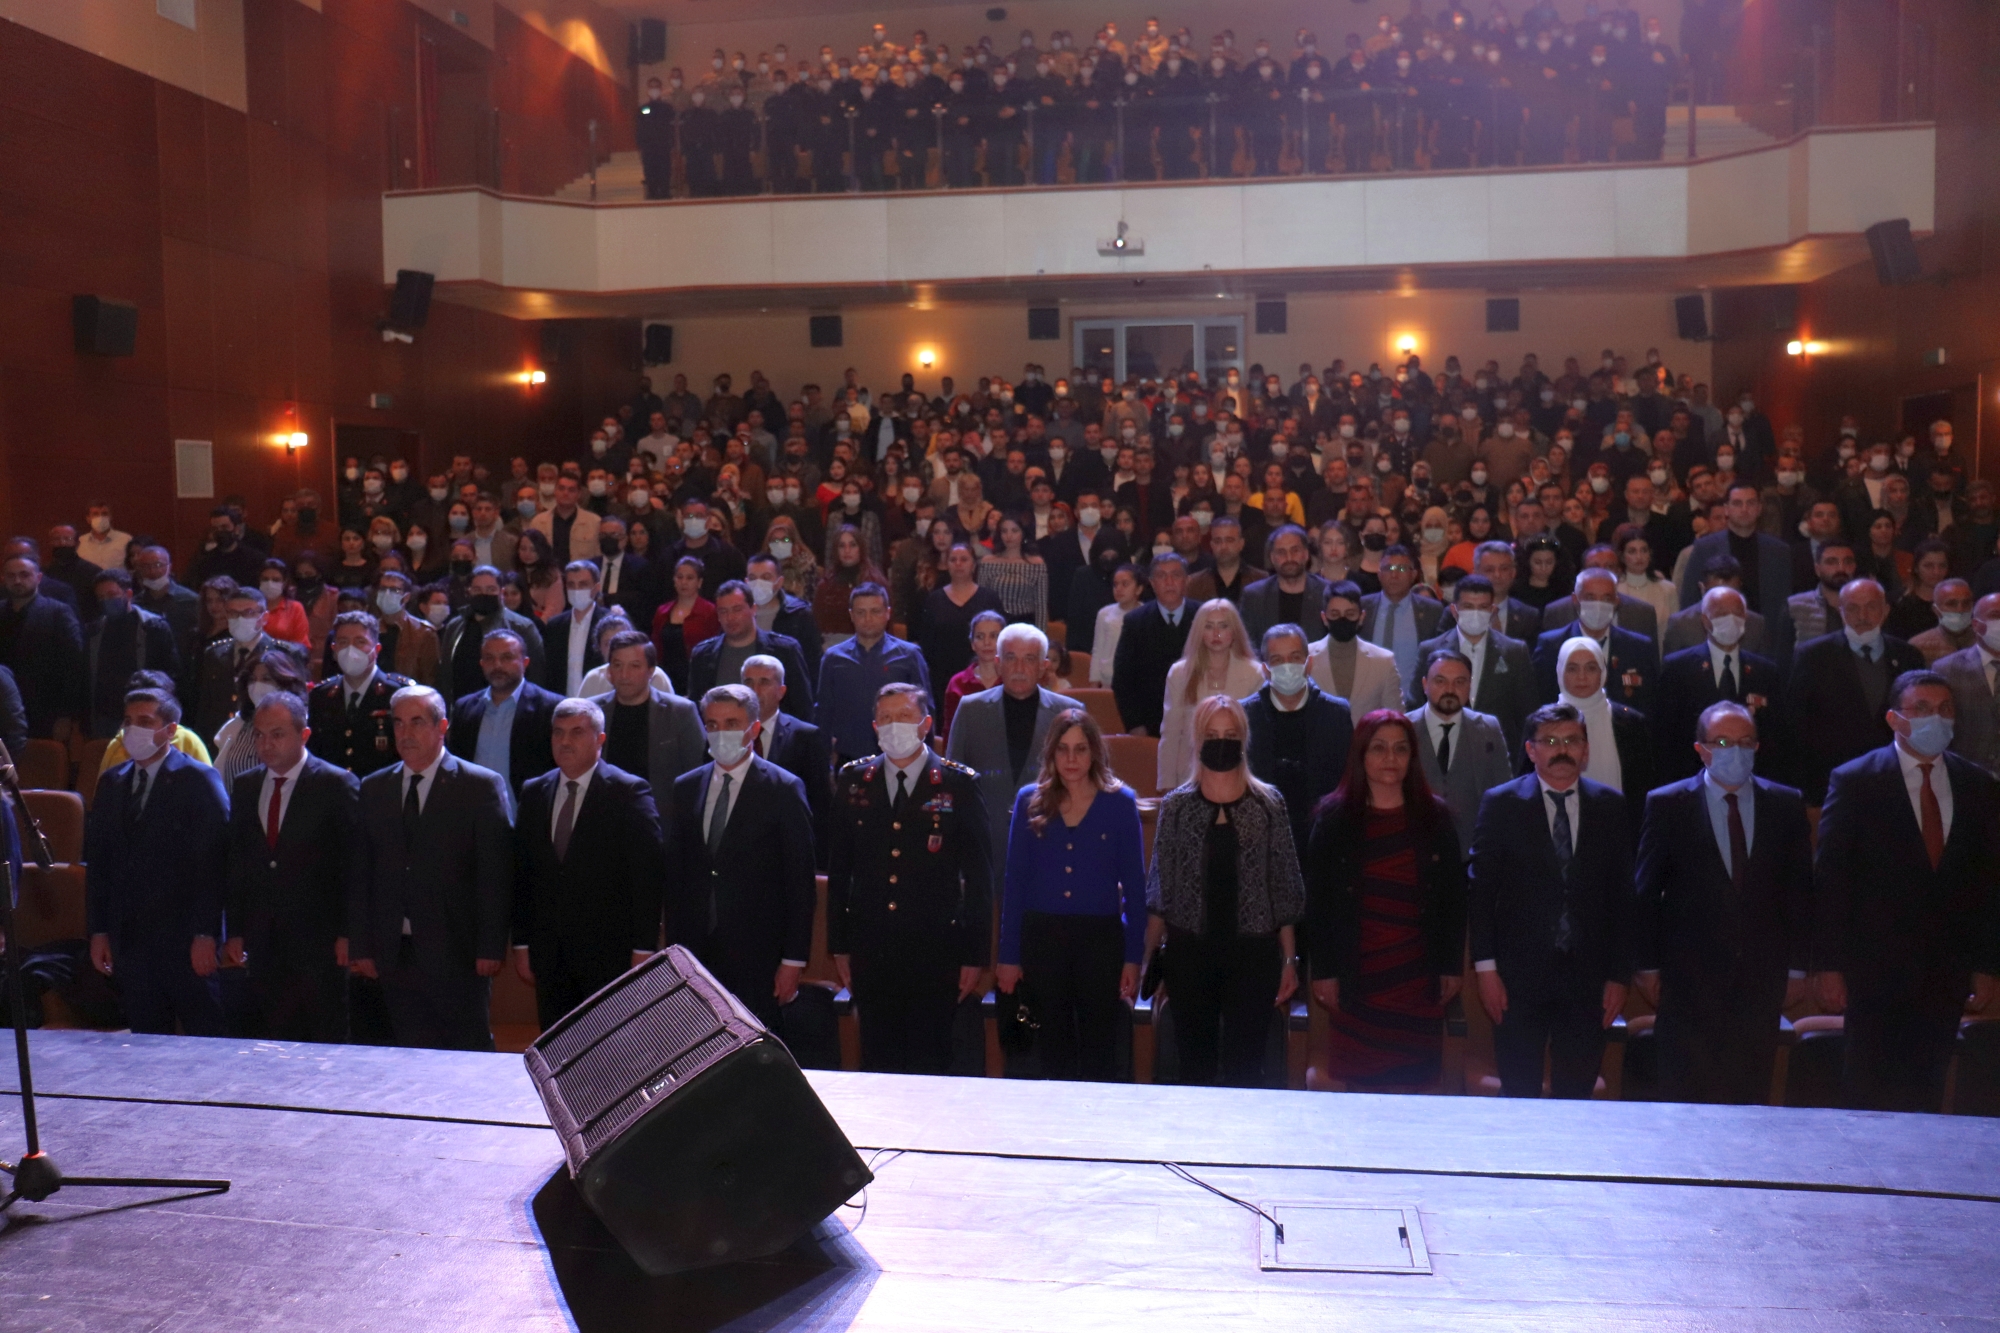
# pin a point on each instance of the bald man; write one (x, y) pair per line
(1834, 706)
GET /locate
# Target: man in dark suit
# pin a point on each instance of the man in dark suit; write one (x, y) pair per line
(797, 747)
(1000, 733)
(626, 577)
(121, 640)
(1907, 917)
(1837, 694)
(1715, 671)
(1148, 646)
(179, 606)
(432, 884)
(1465, 754)
(1503, 679)
(648, 732)
(740, 845)
(1398, 617)
(1495, 562)
(909, 902)
(1974, 673)
(41, 641)
(1632, 661)
(1766, 561)
(1685, 629)
(570, 639)
(1299, 734)
(1293, 594)
(464, 636)
(349, 711)
(504, 728)
(217, 684)
(1550, 900)
(1724, 915)
(294, 823)
(588, 867)
(157, 848)
(719, 661)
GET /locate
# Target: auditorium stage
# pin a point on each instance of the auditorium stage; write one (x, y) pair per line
(415, 1191)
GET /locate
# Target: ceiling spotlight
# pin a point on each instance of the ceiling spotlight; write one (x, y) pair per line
(1122, 245)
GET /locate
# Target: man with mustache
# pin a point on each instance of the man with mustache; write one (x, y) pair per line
(1551, 892)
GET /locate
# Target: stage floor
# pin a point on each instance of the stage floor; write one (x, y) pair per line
(417, 1191)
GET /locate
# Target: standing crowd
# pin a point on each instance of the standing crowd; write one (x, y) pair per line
(1566, 685)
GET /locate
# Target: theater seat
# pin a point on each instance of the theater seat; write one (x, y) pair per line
(51, 906)
(1103, 706)
(43, 764)
(1136, 760)
(61, 816)
(89, 759)
(1079, 669)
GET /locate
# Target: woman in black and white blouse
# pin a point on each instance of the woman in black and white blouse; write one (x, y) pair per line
(1225, 893)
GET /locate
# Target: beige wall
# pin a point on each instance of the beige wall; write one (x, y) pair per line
(693, 31)
(207, 61)
(970, 340)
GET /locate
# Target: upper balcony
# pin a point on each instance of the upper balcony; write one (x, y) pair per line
(1774, 211)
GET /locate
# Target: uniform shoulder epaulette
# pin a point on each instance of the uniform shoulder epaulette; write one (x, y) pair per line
(397, 682)
(856, 767)
(959, 768)
(330, 684)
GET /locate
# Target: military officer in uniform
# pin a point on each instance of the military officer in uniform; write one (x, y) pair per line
(654, 129)
(349, 712)
(909, 890)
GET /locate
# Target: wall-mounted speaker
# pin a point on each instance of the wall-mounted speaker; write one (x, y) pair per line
(687, 1127)
(410, 306)
(658, 346)
(1503, 314)
(648, 40)
(1895, 253)
(104, 327)
(1270, 317)
(824, 330)
(1691, 316)
(1044, 323)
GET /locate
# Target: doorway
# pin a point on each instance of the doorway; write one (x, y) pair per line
(1157, 348)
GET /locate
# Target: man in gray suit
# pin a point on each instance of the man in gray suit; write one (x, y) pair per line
(649, 733)
(1686, 628)
(1503, 674)
(1632, 614)
(432, 883)
(1465, 754)
(999, 733)
(1293, 594)
(1974, 674)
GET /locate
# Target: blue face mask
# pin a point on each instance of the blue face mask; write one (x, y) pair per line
(1622, 439)
(1732, 766)
(1929, 736)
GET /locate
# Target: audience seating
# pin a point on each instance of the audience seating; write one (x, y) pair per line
(51, 906)
(89, 759)
(1136, 761)
(1079, 670)
(43, 764)
(61, 816)
(1102, 705)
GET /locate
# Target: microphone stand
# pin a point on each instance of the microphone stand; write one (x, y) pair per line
(35, 1177)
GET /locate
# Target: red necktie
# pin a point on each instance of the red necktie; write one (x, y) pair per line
(271, 815)
(1933, 820)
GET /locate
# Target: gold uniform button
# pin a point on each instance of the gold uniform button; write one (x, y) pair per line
(1066, 893)
(895, 851)
(897, 827)
(892, 907)
(892, 880)
(1069, 870)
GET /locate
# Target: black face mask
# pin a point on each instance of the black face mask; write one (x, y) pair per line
(308, 586)
(608, 545)
(1221, 756)
(1374, 541)
(1343, 630)
(308, 520)
(461, 569)
(225, 541)
(484, 604)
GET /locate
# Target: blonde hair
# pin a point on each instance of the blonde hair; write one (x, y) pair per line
(1195, 654)
(1204, 713)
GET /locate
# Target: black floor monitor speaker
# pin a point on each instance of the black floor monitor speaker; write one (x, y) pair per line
(649, 42)
(411, 305)
(104, 327)
(1895, 252)
(1044, 323)
(687, 1126)
(1503, 314)
(1691, 317)
(658, 348)
(1271, 316)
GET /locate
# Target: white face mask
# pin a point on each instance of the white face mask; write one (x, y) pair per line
(598, 487)
(1478, 476)
(1957, 622)
(1505, 430)
(155, 585)
(639, 499)
(1600, 485)
(581, 599)
(762, 591)
(1434, 536)
(391, 603)
(382, 541)
(245, 629)
(1402, 426)
(923, 527)
(354, 661)
(1474, 621)
(100, 525)
(899, 740)
(1991, 636)
(781, 549)
(1727, 630)
(694, 529)
(141, 745)
(259, 691)
(1288, 678)
(272, 589)
(1596, 615)
(1088, 516)
(1658, 476)
(439, 613)
(727, 748)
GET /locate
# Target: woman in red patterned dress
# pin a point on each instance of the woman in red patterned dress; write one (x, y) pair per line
(1385, 902)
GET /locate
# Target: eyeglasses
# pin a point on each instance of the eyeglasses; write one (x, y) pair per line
(1560, 743)
(1724, 743)
(1397, 569)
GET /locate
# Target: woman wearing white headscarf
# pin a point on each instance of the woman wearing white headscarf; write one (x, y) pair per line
(1621, 748)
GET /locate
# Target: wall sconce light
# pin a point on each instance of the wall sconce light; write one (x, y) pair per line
(1407, 343)
(1797, 347)
(926, 358)
(295, 441)
(533, 377)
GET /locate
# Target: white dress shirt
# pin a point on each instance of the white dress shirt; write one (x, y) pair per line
(290, 777)
(735, 776)
(912, 768)
(1913, 782)
(1477, 652)
(1720, 657)
(562, 795)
